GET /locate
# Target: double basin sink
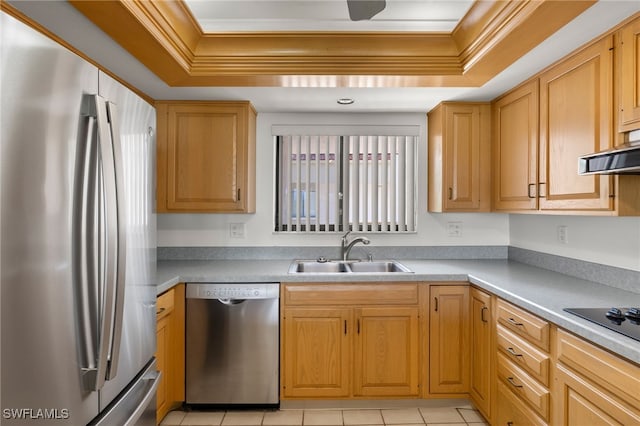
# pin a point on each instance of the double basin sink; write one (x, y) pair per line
(346, 267)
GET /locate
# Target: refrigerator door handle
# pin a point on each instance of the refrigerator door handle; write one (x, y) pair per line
(108, 242)
(86, 225)
(116, 335)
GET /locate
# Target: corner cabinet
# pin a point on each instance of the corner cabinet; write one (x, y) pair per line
(350, 340)
(449, 339)
(459, 138)
(206, 157)
(542, 127)
(481, 350)
(515, 149)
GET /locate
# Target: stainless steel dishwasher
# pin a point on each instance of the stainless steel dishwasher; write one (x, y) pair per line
(232, 343)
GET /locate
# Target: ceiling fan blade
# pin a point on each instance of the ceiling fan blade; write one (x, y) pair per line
(360, 10)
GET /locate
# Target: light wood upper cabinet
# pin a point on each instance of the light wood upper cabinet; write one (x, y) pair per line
(206, 157)
(628, 77)
(515, 149)
(459, 138)
(449, 339)
(481, 350)
(576, 118)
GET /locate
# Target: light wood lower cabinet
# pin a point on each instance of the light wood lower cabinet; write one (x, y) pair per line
(449, 339)
(593, 386)
(355, 340)
(316, 352)
(522, 366)
(170, 350)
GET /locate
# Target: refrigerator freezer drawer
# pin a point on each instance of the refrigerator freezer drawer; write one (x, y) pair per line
(137, 404)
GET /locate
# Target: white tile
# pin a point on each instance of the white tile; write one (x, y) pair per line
(402, 416)
(173, 418)
(243, 418)
(446, 424)
(441, 415)
(471, 416)
(202, 419)
(362, 417)
(322, 417)
(283, 418)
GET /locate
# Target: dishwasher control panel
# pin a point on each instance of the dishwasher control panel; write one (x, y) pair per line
(233, 291)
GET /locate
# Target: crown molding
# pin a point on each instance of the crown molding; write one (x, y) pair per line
(165, 37)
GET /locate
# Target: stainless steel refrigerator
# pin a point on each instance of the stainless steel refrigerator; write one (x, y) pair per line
(77, 258)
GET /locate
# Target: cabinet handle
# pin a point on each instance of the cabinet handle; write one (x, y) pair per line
(514, 322)
(436, 307)
(161, 310)
(529, 190)
(358, 324)
(238, 194)
(450, 193)
(509, 423)
(513, 383)
(541, 196)
(482, 311)
(345, 327)
(513, 352)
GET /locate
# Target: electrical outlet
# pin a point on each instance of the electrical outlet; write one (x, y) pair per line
(563, 234)
(454, 229)
(236, 230)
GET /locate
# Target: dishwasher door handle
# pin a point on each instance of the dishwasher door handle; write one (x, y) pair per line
(232, 302)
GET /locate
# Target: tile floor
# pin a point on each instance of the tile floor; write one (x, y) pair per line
(462, 415)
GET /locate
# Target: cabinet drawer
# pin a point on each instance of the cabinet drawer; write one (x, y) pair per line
(512, 411)
(164, 304)
(524, 355)
(391, 293)
(524, 324)
(522, 385)
(620, 377)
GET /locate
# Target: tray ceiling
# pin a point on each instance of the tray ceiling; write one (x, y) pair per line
(325, 15)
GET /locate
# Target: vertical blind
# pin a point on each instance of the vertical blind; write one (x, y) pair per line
(346, 183)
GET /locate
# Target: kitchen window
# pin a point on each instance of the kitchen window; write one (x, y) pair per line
(346, 182)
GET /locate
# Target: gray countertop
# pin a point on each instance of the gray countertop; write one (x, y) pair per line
(542, 292)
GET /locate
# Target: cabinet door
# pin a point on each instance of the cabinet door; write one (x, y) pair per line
(449, 340)
(629, 78)
(386, 351)
(316, 352)
(515, 150)
(204, 154)
(162, 355)
(576, 119)
(466, 153)
(459, 157)
(582, 403)
(481, 350)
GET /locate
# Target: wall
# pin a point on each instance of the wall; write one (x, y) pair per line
(607, 240)
(201, 230)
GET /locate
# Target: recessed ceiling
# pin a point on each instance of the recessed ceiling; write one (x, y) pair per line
(215, 16)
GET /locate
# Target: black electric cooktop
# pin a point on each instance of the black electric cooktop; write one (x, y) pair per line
(623, 320)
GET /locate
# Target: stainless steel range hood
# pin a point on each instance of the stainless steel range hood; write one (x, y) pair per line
(618, 161)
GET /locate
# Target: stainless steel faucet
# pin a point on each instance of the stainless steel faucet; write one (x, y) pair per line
(345, 247)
